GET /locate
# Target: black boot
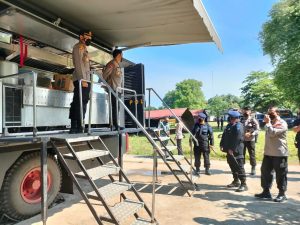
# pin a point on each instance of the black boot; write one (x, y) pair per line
(79, 127)
(280, 197)
(197, 171)
(234, 183)
(242, 187)
(73, 129)
(253, 171)
(207, 171)
(264, 195)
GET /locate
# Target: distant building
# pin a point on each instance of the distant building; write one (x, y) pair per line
(156, 115)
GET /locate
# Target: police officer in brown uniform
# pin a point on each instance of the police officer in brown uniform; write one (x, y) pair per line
(81, 63)
(112, 74)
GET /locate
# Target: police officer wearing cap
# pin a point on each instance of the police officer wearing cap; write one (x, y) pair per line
(112, 74)
(204, 134)
(232, 143)
(81, 63)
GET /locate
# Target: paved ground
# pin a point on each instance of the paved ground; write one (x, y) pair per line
(213, 204)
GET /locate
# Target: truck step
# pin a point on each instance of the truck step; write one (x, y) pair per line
(141, 221)
(111, 190)
(81, 139)
(87, 154)
(99, 172)
(125, 209)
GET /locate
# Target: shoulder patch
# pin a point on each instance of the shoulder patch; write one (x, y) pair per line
(81, 47)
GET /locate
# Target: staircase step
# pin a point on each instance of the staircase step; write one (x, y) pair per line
(170, 147)
(177, 158)
(125, 209)
(185, 168)
(194, 179)
(87, 154)
(141, 221)
(99, 172)
(111, 190)
(73, 138)
(161, 138)
(156, 129)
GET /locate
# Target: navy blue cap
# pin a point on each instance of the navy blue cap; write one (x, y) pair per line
(234, 114)
(202, 115)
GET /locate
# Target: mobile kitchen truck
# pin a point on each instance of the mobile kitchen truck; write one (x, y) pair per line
(36, 40)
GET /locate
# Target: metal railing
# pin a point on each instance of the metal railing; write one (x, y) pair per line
(92, 83)
(178, 119)
(135, 99)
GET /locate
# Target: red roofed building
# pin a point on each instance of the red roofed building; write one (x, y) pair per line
(162, 113)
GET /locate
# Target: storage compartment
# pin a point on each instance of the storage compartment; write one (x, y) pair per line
(12, 107)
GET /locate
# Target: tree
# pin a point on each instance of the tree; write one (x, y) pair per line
(218, 104)
(187, 94)
(280, 39)
(260, 92)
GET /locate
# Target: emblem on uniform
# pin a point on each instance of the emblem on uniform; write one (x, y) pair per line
(81, 47)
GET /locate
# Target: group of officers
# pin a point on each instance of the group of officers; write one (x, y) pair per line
(238, 137)
(111, 73)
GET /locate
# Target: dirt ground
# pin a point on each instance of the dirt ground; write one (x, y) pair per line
(212, 204)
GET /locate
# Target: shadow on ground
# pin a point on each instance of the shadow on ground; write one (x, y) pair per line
(251, 211)
(160, 189)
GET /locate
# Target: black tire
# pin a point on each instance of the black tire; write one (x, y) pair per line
(11, 199)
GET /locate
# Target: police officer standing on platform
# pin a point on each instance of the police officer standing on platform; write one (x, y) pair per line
(112, 74)
(232, 143)
(81, 63)
(251, 127)
(204, 134)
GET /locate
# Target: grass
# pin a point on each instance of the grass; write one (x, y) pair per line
(139, 145)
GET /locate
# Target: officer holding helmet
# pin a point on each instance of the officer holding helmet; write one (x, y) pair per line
(81, 63)
(232, 143)
(204, 134)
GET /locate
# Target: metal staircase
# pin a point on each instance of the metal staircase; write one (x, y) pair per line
(180, 170)
(179, 165)
(125, 209)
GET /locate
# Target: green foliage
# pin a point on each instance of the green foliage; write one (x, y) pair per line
(280, 39)
(260, 92)
(219, 104)
(187, 94)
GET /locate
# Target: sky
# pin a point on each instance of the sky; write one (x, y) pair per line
(238, 23)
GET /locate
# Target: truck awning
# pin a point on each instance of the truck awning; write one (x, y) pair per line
(129, 23)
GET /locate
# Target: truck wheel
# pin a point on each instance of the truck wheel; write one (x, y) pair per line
(20, 195)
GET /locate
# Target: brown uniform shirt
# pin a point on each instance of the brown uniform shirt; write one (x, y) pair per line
(81, 62)
(112, 74)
